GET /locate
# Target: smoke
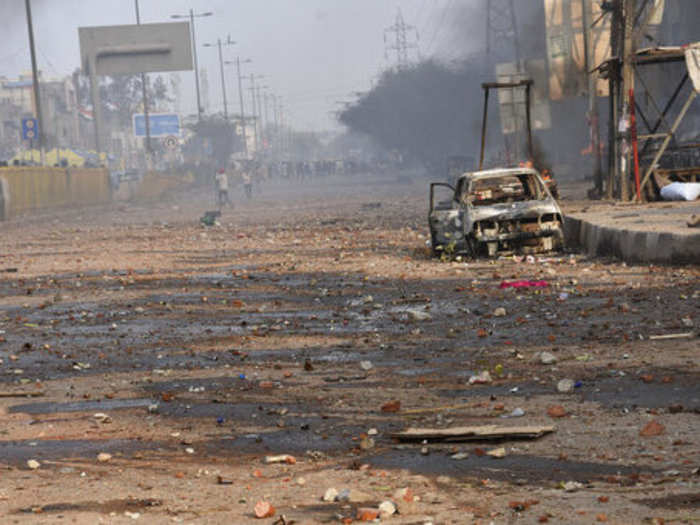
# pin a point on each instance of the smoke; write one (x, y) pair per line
(434, 110)
(428, 112)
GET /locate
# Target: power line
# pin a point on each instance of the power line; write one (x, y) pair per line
(401, 43)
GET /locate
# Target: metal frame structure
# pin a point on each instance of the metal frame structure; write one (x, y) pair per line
(631, 20)
(488, 86)
(661, 129)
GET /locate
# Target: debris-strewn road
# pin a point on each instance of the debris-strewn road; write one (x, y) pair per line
(167, 360)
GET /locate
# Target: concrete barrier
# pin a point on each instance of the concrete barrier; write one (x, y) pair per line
(24, 189)
(631, 245)
(152, 186)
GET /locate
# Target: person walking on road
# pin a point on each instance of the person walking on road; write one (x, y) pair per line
(247, 178)
(222, 188)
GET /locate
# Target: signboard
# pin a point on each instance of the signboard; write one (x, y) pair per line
(161, 124)
(512, 101)
(30, 129)
(171, 142)
(132, 49)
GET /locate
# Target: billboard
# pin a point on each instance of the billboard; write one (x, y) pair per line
(512, 101)
(160, 124)
(133, 49)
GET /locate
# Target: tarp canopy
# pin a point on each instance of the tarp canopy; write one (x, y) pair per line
(692, 60)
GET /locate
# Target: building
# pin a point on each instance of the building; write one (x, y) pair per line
(59, 108)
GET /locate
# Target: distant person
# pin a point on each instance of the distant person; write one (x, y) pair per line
(247, 179)
(221, 180)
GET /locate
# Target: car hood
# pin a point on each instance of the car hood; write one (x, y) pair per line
(513, 210)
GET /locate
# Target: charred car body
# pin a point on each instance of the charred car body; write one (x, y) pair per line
(499, 211)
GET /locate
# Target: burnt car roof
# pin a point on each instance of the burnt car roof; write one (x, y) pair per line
(499, 172)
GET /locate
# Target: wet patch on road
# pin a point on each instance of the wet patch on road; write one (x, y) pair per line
(117, 506)
(512, 468)
(81, 406)
(661, 391)
(18, 452)
(675, 501)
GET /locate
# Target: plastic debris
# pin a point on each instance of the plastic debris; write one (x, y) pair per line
(481, 379)
(524, 284)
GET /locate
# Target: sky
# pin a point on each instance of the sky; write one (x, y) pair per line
(315, 54)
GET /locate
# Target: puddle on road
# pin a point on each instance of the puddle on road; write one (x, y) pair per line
(117, 506)
(18, 452)
(81, 406)
(631, 392)
(265, 414)
(513, 468)
(285, 441)
(674, 501)
(505, 390)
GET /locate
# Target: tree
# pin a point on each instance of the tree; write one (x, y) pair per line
(122, 96)
(215, 139)
(427, 113)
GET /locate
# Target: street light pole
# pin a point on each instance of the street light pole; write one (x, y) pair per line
(196, 67)
(255, 117)
(260, 114)
(228, 42)
(240, 96)
(145, 98)
(192, 16)
(35, 83)
(223, 80)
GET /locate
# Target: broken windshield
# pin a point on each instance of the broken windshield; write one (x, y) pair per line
(504, 190)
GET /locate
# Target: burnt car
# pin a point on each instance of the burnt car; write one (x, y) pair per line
(492, 212)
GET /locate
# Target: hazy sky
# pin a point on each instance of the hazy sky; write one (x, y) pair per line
(314, 53)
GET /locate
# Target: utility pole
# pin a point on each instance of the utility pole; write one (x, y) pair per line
(589, 57)
(628, 83)
(255, 119)
(240, 96)
(192, 16)
(35, 84)
(275, 113)
(267, 114)
(145, 99)
(223, 80)
(260, 114)
(255, 111)
(196, 67)
(228, 42)
(401, 44)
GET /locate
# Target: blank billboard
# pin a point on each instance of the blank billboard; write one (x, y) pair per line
(133, 49)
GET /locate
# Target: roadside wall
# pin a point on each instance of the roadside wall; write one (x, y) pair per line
(23, 189)
(152, 186)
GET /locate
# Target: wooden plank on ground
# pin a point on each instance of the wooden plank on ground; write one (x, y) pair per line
(31, 393)
(480, 433)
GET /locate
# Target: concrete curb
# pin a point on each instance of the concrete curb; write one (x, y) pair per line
(630, 245)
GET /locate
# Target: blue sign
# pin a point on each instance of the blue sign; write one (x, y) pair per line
(161, 124)
(30, 129)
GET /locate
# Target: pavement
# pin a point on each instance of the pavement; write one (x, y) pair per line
(636, 233)
(149, 365)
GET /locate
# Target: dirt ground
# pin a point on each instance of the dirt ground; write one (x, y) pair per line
(312, 322)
